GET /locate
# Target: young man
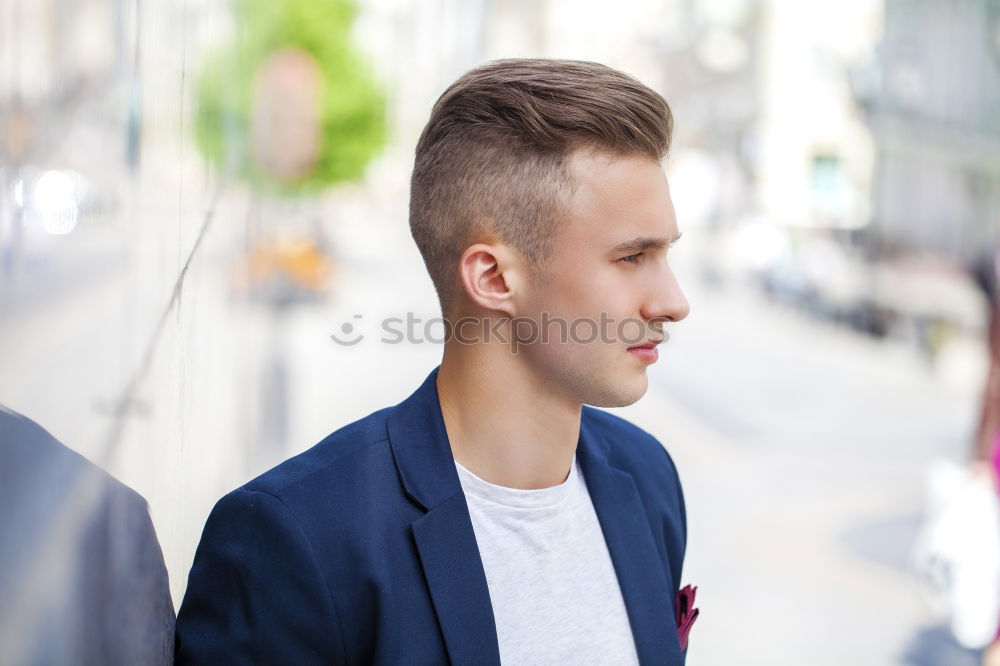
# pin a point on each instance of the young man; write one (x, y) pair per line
(491, 516)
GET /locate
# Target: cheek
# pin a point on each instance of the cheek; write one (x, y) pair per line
(589, 290)
(606, 293)
(585, 291)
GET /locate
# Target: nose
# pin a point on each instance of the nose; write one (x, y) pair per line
(666, 301)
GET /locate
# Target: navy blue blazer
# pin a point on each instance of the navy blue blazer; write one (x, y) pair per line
(361, 549)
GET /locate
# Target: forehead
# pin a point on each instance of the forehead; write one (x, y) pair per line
(616, 197)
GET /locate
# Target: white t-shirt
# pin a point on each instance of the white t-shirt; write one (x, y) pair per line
(553, 587)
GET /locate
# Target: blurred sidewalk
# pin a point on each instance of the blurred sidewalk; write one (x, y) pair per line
(802, 450)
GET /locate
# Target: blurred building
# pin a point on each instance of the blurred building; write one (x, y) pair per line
(933, 103)
(813, 152)
(931, 94)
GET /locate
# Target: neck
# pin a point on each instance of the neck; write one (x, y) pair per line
(504, 424)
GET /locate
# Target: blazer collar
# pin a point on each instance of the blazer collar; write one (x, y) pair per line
(420, 446)
(450, 556)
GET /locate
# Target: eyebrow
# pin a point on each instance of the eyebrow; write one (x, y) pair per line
(643, 243)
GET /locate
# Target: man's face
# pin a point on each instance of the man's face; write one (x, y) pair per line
(608, 266)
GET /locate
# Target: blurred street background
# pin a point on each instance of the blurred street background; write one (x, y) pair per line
(172, 268)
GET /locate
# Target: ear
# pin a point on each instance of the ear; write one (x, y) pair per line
(490, 275)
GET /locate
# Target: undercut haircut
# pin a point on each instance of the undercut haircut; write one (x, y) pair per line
(492, 161)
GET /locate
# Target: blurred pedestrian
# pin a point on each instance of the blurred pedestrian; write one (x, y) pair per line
(82, 577)
(986, 455)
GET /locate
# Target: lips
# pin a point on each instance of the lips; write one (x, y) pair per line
(647, 352)
(648, 345)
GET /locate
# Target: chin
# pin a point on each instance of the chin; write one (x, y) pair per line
(617, 394)
(600, 382)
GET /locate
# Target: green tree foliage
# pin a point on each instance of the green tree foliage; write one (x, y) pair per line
(352, 106)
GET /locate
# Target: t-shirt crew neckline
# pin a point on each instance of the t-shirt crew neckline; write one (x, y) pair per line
(519, 498)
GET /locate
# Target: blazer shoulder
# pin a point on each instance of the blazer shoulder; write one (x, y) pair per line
(331, 453)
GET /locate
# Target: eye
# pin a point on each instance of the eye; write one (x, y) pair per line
(632, 258)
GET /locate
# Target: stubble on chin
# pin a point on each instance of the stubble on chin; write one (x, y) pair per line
(608, 387)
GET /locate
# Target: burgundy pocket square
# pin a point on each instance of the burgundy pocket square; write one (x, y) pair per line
(686, 613)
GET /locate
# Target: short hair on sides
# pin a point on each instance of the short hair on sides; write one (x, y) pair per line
(493, 157)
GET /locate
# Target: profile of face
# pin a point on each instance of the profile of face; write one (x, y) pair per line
(608, 265)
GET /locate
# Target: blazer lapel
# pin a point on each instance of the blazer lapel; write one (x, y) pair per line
(443, 536)
(647, 593)
(454, 573)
